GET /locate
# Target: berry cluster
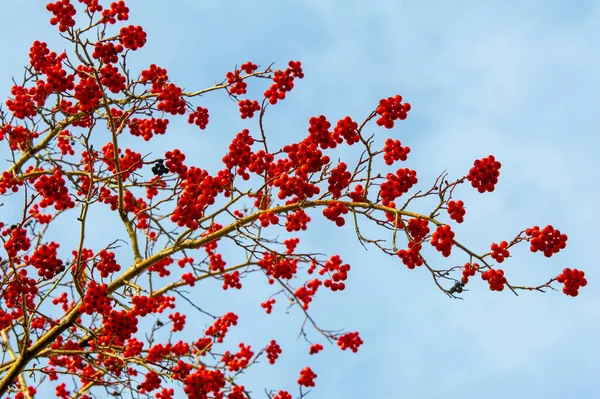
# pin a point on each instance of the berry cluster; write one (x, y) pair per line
(456, 210)
(237, 84)
(128, 162)
(296, 221)
(178, 320)
(248, 108)
(350, 341)
(199, 117)
(87, 93)
(107, 263)
(484, 174)
(240, 153)
(495, 278)
(307, 377)
(500, 251)
(548, 240)
(346, 129)
(203, 383)
(278, 267)
(305, 293)
(273, 351)
(175, 164)
(318, 132)
(21, 106)
(390, 110)
(112, 79)
(45, 260)
(411, 257)
(19, 138)
(54, 191)
(418, 229)
(170, 100)
(358, 194)
(396, 185)
(315, 348)
(282, 395)
(107, 52)
(443, 239)
(96, 299)
(469, 270)
(232, 280)
(117, 11)
(339, 179)
(155, 75)
(338, 272)
(132, 37)
(18, 240)
(393, 151)
(63, 12)
(146, 128)
(238, 361)
(221, 326)
(573, 279)
(268, 305)
(334, 211)
(283, 82)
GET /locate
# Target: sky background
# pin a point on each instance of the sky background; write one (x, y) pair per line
(515, 79)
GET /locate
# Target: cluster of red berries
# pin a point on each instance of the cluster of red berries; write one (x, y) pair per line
(282, 395)
(238, 361)
(495, 278)
(346, 129)
(174, 162)
(358, 194)
(290, 245)
(128, 162)
(221, 326)
(500, 251)
(203, 383)
(107, 52)
(548, 240)
(63, 12)
(132, 37)
(239, 153)
(178, 320)
(573, 279)
(117, 11)
(237, 84)
(393, 151)
(318, 132)
(305, 293)
(418, 229)
(64, 143)
(170, 100)
(339, 179)
(338, 272)
(18, 240)
(350, 341)
(96, 299)
(199, 117)
(390, 110)
(396, 185)
(283, 82)
(21, 106)
(150, 383)
(112, 79)
(54, 191)
(118, 326)
(307, 377)
(278, 267)
(8, 182)
(469, 270)
(248, 108)
(334, 211)
(296, 221)
(456, 210)
(315, 348)
(155, 75)
(146, 128)
(260, 162)
(484, 174)
(45, 260)
(232, 280)
(273, 351)
(443, 239)
(87, 93)
(19, 138)
(160, 267)
(268, 305)
(411, 257)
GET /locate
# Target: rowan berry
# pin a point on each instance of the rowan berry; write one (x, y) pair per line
(268, 305)
(333, 212)
(203, 383)
(296, 221)
(232, 280)
(199, 117)
(221, 326)
(393, 151)
(96, 299)
(22, 105)
(573, 279)
(45, 260)
(282, 395)
(484, 174)
(396, 185)
(390, 110)
(495, 278)
(500, 251)
(411, 257)
(338, 273)
(63, 12)
(346, 129)
(456, 210)
(178, 320)
(469, 270)
(273, 351)
(548, 240)
(117, 11)
(443, 239)
(350, 341)
(107, 52)
(132, 37)
(305, 293)
(418, 229)
(358, 194)
(248, 108)
(315, 348)
(155, 75)
(112, 79)
(170, 100)
(307, 377)
(238, 361)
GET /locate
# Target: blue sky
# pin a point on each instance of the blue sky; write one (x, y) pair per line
(515, 79)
